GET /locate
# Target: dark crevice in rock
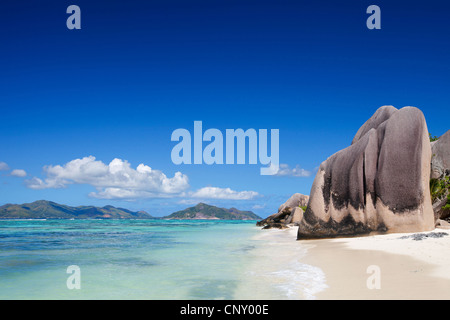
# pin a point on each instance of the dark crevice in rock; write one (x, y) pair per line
(331, 229)
(364, 180)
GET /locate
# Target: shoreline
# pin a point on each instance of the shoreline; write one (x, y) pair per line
(391, 266)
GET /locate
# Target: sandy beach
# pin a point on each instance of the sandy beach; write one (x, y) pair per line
(405, 268)
(390, 266)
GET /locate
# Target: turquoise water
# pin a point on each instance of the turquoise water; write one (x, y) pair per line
(124, 259)
(151, 259)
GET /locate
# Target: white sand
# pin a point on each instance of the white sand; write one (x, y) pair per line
(408, 269)
(434, 251)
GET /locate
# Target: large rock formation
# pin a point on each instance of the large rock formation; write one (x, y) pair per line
(440, 161)
(288, 213)
(378, 184)
(440, 177)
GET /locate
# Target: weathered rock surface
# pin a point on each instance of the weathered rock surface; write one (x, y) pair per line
(440, 209)
(440, 160)
(442, 224)
(380, 116)
(288, 213)
(296, 216)
(440, 177)
(378, 184)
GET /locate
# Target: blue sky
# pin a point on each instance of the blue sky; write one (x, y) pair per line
(137, 70)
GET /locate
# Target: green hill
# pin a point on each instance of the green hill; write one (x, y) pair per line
(43, 209)
(205, 211)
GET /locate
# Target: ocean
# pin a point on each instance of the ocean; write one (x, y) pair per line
(151, 259)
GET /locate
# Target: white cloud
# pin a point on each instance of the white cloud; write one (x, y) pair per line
(128, 194)
(223, 193)
(259, 206)
(285, 170)
(3, 166)
(188, 201)
(116, 180)
(18, 173)
(38, 184)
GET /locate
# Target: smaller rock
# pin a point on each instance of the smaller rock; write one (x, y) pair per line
(296, 200)
(442, 224)
(275, 225)
(288, 213)
(297, 215)
(440, 160)
(440, 209)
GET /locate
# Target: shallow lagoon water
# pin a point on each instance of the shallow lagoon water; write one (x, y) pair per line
(150, 259)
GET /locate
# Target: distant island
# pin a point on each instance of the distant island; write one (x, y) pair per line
(43, 209)
(205, 211)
